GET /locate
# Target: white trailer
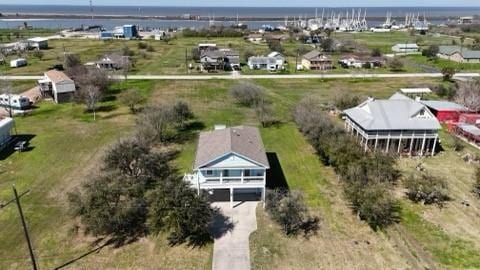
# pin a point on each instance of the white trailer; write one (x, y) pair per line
(20, 62)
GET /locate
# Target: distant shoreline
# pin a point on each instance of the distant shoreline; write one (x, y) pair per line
(30, 16)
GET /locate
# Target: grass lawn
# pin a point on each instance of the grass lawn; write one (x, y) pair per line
(170, 58)
(66, 137)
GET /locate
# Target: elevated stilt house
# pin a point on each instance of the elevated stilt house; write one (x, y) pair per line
(399, 124)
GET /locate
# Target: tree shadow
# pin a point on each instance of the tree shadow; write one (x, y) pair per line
(10, 149)
(94, 250)
(275, 176)
(221, 224)
(188, 132)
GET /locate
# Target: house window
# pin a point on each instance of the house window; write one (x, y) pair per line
(247, 173)
(209, 173)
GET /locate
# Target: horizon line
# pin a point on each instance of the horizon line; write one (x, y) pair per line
(195, 6)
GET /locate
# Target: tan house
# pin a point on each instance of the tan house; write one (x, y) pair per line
(316, 60)
(458, 54)
(57, 85)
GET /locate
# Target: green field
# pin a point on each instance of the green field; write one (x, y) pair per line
(67, 145)
(170, 58)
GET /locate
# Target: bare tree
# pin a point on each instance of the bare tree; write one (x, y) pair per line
(468, 94)
(131, 98)
(91, 96)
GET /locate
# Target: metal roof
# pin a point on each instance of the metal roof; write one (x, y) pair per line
(464, 52)
(415, 90)
(440, 105)
(469, 128)
(241, 140)
(393, 114)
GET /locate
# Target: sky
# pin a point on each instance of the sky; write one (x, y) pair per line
(253, 3)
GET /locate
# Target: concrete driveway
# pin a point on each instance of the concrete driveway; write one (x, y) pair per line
(231, 250)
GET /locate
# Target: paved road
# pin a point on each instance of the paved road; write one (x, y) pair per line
(232, 250)
(266, 76)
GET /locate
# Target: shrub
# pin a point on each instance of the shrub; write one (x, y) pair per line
(346, 101)
(396, 64)
(38, 54)
(288, 209)
(265, 114)
(142, 45)
(458, 145)
(448, 73)
(150, 48)
(427, 188)
(376, 52)
(431, 51)
(131, 98)
(275, 45)
(247, 94)
(445, 91)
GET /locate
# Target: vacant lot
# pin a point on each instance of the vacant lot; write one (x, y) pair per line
(68, 144)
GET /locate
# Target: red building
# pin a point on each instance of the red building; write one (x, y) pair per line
(446, 111)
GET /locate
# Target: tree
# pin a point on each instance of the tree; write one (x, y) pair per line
(38, 54)
(247, 54)
(247, 94)
(265, 113)
(181, 113)
(396, 64)
(431, 52)
(91, 95)
(175, 207)
(448, 73)
(72, 60)
(142, 45)
(289, 210)
(427, 188)
(74, 67)
(468, 94)
(327, 45)
(108, 206)
(376, 52)
(275, 45)
(195, 54)
(346, 101)
(131, 98)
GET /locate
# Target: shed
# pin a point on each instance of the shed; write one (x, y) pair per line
(20, 62)
(445, 110)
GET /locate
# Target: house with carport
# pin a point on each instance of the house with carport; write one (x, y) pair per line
(230, 160)
(57, 85)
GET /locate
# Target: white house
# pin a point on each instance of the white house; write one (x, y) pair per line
(398, 124)
(6, 126)
(38, 43)
(406, 48)
(58, 85)
(279, 58)
(230, 159)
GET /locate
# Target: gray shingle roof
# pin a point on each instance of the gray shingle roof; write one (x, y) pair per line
(242, 140)
(262, 60)
(465, 52)
(316, 55)
(392, 114)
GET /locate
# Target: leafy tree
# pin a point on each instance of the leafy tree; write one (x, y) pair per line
(195, 54)
(376, 52)
(427, 188)
(289, 210)
(396, 64)
(126, 51)
(448, 73)
(327, 45)
(131, 98)
(431, 52)
(248, 53)
(175, 207)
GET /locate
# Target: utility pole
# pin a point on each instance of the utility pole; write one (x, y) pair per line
(25, 230)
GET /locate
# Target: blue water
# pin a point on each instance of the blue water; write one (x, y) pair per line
(433, 13)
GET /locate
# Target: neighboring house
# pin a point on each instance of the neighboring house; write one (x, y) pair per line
(459, 54)
(57, 85)
(6, 127)
(113, 61)
(10, 48)
(206, 47)
(255, 37)
(445, 111)
(38, 43)
(231, 59)
(279, 58)
(20, 62)
(361, 61)
(212, 60)
(398, 124)
(264, 62)
(232, 159)
(405, 48)
(316, 60)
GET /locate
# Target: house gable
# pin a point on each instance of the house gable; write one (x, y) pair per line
(232, 160)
